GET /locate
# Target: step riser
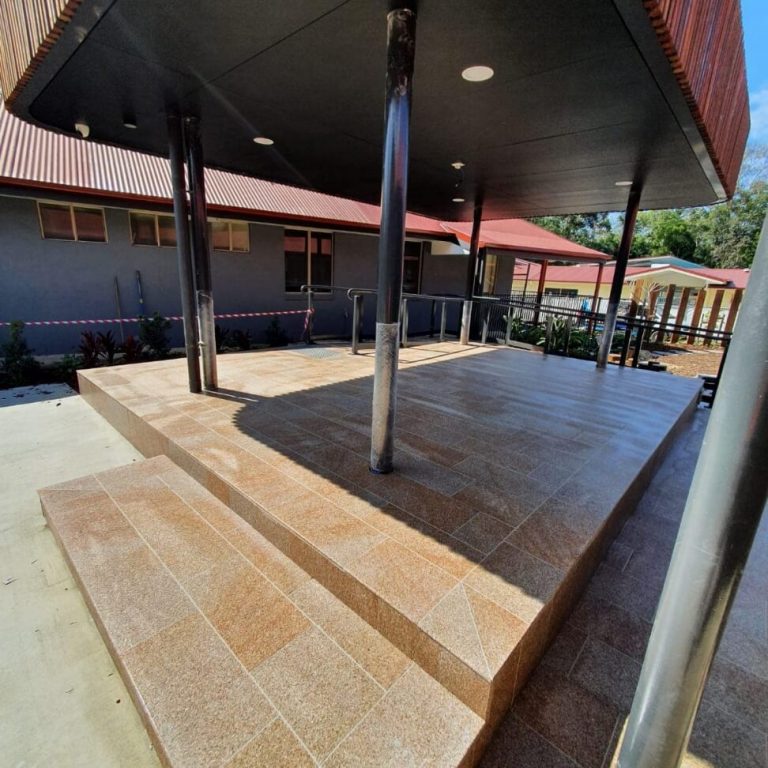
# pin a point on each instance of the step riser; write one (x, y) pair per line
(488, 699)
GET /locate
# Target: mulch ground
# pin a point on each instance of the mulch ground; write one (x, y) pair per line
(691, 362)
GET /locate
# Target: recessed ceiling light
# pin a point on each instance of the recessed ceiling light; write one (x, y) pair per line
(458, 200)
(458, 165)
(477, 74)
(129, 124)
(83, 129)
(623, 183)
(264, 141)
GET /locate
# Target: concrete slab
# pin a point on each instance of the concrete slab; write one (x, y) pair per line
(63, 702)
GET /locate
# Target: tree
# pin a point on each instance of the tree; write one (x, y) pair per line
(723, 235)
(593, 230)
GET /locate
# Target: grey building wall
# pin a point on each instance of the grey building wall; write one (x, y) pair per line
(57, 280)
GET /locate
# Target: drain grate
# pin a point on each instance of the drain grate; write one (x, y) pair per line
(319, 353)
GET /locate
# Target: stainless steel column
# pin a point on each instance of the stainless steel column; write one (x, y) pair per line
(474, 243)
(186, 271)
(401, 30)
(725, 502)
(201, 251)
(619, 273)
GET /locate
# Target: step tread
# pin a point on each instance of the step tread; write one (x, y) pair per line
(191, 599)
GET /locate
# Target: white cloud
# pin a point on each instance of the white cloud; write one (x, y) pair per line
(758, 113)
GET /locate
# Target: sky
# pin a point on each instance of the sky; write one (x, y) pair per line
(755, 19)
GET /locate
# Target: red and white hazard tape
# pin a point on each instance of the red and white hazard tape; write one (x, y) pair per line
(223, 316)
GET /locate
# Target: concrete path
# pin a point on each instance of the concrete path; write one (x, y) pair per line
(63, 703)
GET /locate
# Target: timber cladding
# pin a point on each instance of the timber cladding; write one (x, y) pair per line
(29, 31)
(703, 40)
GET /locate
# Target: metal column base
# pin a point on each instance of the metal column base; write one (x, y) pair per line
(466, 319)
(207, 340)
(384, 397)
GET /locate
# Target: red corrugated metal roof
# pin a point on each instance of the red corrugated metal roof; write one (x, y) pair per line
(32, 156)
(587, 273)
(521, 235)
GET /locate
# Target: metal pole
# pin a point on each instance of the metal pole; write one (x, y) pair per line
(404, 322)
(184, 256)
(474, 246)
(540, 290)
(356, 299)
(443, 320)
(200, 250)
(596, 295)
(619, 273)
(727, 496)
(401, 31)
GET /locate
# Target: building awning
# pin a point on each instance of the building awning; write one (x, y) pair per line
(584, 97)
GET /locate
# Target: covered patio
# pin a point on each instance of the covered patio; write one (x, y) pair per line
(513, 478)
(454, 498)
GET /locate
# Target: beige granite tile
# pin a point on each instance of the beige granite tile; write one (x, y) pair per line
(515, 580)
(360, 640)
(483, 532)
(406, 581)
(277, 567)
(185, 542)
(274, 747)
(133, 595)
(339, 535)
(250, 614)
(452, 624)
(319, 690)
(440, 548)
(202, 703)
(417, 723)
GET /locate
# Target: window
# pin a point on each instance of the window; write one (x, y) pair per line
(561, 292)
(230, 236)
(489, 274)
(72, 222)
(308, 259)
(152, 229)
(412, 268)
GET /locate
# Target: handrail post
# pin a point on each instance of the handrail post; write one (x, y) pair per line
(638, 345)
(486, 323)
(404, 323)
(310, 315)
(357, 301)
(443, 320)
(508, 334)
(548, 334)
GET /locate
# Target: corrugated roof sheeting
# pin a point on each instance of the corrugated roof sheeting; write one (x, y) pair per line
(31, 154)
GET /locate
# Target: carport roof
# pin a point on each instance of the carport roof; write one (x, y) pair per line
(584, 95)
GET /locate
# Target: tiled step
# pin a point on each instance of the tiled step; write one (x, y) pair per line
(234, 655)
(465, 565)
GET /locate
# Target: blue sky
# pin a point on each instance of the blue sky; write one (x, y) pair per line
(755, 17)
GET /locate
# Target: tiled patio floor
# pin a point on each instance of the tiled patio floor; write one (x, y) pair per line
(512, 470)
(573, 708)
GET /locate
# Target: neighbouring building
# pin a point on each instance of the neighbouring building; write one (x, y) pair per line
(87, 232)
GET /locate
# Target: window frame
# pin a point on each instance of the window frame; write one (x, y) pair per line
(229, 223)
(420, 259)
(307, 234)
(71, 207)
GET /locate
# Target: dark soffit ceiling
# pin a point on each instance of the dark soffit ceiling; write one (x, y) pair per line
(574, 105)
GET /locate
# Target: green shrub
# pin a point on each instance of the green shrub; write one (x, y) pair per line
(153, 334)
(19, 367)
(242, 339)
(276, 335)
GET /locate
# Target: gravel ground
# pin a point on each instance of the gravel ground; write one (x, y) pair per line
(692, 363)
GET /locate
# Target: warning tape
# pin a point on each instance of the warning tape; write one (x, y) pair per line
(222, 316)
